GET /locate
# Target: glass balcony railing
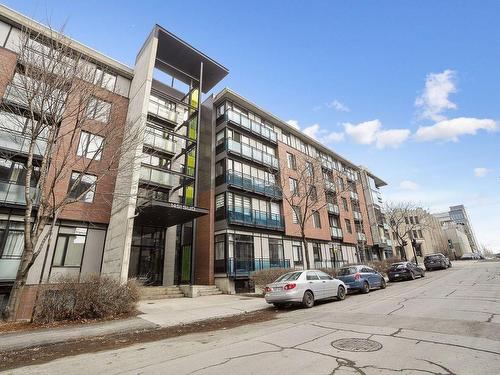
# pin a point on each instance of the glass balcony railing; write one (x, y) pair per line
(357, 215)
(327, 164)
(156, 176)
(329, 185)
(159, 143)
(20, 143)
(236, 267)
(167, 111)
(333, 208)
(8, 268)
(255, 218)
(354, 195)
(336, 232)
(251, 125)
(361, 236)
(251, 153)
(12, 193)
(251, 183)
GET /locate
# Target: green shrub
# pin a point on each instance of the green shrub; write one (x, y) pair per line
(93, 297)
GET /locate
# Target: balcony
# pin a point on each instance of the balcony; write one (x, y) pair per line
(252, 153)
(351, 176)
(354, 195)
(19, 143)
(329, 185)
(166, 111)
(254, 218)
(242, 268)
(12, 193)
(361, 236)
(327, 164)
(251, 125)
(158, 177)
(336, 232)
(357, 215)
(159, 143)
(333, 208)
(254, 184)
(8, 268)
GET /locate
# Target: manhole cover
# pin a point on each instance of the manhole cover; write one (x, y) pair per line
(357, 345)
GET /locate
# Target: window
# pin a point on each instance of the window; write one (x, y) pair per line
(316, 219)
(348, 225)
(90, 146)
(415, 234)
(296, 214)
(309, 169)
(11, 239)
(82, 187)
(411, 220)
(420, 234)
(416, 220)
(345, 204)
(311, 276)
(220, 247)
(69, 247)
(98, 110)
(340, 183)
(290, 158)
(324, 276)
(406, 220)
(317, 252)
(294, 186)
(313, 193)
(104, 79)
(297, 252)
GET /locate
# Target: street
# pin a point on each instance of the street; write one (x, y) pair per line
(445, 323)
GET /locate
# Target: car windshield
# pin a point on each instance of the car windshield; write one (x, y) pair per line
(347, 271)
(291, 276)
(398, 266)
(432, 257)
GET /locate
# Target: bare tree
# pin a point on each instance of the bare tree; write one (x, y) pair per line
(55, 113)
(403, 219)
(304, 192)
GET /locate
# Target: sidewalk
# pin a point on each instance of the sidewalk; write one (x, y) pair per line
(153, 314)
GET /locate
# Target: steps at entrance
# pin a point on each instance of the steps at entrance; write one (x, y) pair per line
(205, 290)
(159, 292)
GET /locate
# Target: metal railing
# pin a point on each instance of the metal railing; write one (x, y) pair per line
(336, 232)
(251, 125)
(251, 153)
(235, 267)
(158, 177)
(329, 185)
(327, 164)
(361, 236)
(333, 208)
(354, 195)
(357, 215)
(239, 215)
(251, 183)
(160, 143)
(13, 193)
(19, 142)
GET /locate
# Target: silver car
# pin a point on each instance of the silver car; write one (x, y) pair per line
(304, 287)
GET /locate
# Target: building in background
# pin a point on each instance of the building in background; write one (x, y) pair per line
(458, 215)
(458, 242)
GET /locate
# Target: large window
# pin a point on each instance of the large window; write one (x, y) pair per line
(317, 252)
(293, 185)
(90, 146)
(297, 252)
(316, 219)
(309, 169)
(220, 247)
(82, 187)
(348, 225)
(291, 163)
(345, 204)
(69, 247)
(11, 239)
(296, 215)
(98, 110)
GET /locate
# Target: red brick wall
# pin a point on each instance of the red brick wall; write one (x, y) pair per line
(8, 61)
(27, 302)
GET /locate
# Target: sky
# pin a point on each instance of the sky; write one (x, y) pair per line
(409, 89)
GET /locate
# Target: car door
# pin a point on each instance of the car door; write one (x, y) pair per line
(366, 275)
(328, 285)
(374, 277)
(314, 283)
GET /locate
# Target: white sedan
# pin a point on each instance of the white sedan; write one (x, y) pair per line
(304, 287)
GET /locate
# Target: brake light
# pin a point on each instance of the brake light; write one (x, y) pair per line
(268, 289)
(357, 276)
(289, 286)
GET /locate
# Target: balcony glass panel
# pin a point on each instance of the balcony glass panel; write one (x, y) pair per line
(8, 268)
(254, 184)
(336, 232)
(251, 153)
(253, 126)
(18, 142)
(333, 208)
(239, 215)
(158, 177)
(160, 143)
(14, 194)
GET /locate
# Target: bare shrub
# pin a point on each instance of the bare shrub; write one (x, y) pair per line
(329, 271)
(263, 277)
(93, 297)
(382, 266)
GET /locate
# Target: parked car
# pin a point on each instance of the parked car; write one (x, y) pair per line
(436, 261)
(361, 278)
(304, 287)
(469, 256)
(404, 271)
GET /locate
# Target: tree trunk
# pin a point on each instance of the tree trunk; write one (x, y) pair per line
(306, 252)
(21, 277)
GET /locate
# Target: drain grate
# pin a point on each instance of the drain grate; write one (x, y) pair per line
(357, 345)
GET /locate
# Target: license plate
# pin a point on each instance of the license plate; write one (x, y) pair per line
(277, 289)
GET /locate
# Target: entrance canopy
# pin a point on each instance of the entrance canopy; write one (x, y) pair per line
(167, 214)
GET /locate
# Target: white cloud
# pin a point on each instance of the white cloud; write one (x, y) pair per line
(293, 123)
(481, 172)
(450, 130)
(370, 132)
(338, 106)
(409, 185)
(324, 136)
(434, 99)
(392, 138)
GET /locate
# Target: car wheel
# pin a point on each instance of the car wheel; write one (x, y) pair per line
(366, 287)
(422, 274)
(341, 293)
(412, 276)
(383, 284)
(308, 299)
(391, 280)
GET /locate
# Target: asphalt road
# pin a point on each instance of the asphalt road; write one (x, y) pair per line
(445, 323)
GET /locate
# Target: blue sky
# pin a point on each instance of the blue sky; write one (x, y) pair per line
(362, 76)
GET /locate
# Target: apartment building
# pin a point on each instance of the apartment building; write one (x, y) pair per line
(256, 165)
(458, 215)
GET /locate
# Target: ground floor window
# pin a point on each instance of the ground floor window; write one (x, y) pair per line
(297, 253)
(11, 239)
(220, 253)
(276, 255)
(147, 254)
(317, 252)
(69, 247)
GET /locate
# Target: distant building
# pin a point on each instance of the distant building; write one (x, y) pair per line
(458, 215)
